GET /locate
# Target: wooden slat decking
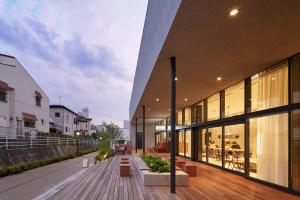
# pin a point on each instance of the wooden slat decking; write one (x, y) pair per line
(102, 181)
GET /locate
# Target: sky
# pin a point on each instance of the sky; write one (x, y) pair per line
(82, 50)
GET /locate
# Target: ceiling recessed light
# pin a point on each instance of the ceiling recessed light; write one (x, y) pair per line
(234, 12)
(176, 79)
(273, 78)
(149, 109)
(185, 99)
(169, 109)
(157, 99)
(219, 78)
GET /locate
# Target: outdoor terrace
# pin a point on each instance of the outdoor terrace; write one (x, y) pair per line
(103, 181)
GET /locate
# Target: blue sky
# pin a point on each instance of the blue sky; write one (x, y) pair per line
(84, 51)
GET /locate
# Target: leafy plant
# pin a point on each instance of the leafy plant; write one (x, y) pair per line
(156, 164)
(17, 168)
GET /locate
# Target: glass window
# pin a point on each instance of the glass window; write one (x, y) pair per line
(296, 78)
(188, 143)
(269, 88)
(213, 107)
(269, 149)
(296, 150)
(38, 101)
(181, 143)
(3, 96)
(187, 116)
(234, 147)
(215, 145)
(57, 114)
(29, 124)
(202, 144)
(179, 118)
(234, 100)
(200, 112)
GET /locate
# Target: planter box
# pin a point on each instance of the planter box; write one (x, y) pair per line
(159, 179)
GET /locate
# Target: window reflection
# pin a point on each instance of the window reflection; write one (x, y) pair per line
(296, 150)
(187, 116)
(213, 107)
(234, 100)
(181, 143)
(188, 143)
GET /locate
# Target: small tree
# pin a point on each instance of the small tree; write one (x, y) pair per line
(107, 136)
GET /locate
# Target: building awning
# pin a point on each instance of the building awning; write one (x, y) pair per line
(4, 86)
(30, 117)
(38, 94)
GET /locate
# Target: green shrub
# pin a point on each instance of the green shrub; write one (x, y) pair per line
(17, 168)
(156, 164)
(105, 154)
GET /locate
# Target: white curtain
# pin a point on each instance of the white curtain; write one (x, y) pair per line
(273, 89)
(272, 149)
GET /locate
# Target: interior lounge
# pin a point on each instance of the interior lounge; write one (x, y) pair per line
(251, 128)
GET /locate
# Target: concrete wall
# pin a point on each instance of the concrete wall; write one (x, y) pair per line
(150, 134)
(16, 156)
(159, 17)
(22, 98)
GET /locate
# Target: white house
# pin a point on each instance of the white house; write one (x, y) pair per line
(69, 122)
(24, 106)
(64, 119)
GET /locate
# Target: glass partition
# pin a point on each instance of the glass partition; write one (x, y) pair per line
(187, 116)
(269, 88)
(215, 145)
(213, 107)
(181, 142)
(235, 147)
(200, 112)
(234, 100)
(188, 143)
(296, 78)
(269, 149)
(179, 119)
(201, 144)
(296, 150)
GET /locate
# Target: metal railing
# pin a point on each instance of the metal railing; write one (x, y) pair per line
(31, 139)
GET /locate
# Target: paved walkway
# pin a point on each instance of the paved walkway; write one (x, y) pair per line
(32, 183)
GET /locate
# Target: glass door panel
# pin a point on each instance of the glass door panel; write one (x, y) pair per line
(234, 147)
(181, 143)
(215, 145)
(188, 143)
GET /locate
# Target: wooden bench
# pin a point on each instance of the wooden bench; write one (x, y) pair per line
(124, 170)
(180, 163)
(190, 169)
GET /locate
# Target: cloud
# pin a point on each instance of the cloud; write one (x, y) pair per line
(85, 53)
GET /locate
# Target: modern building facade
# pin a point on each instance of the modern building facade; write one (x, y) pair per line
(69, 122)
(24, 106)
(237, 85)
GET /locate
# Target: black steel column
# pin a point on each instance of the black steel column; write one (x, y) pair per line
(136, 131)
(172, 122)
(144, 134)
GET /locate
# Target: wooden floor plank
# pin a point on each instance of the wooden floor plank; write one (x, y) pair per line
(103, 181)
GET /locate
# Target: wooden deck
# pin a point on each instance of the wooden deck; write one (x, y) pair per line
(102, 181)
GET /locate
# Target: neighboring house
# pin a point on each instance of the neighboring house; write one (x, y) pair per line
(64, 119)
(84, 125)
(24, 106)
(69, 122)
